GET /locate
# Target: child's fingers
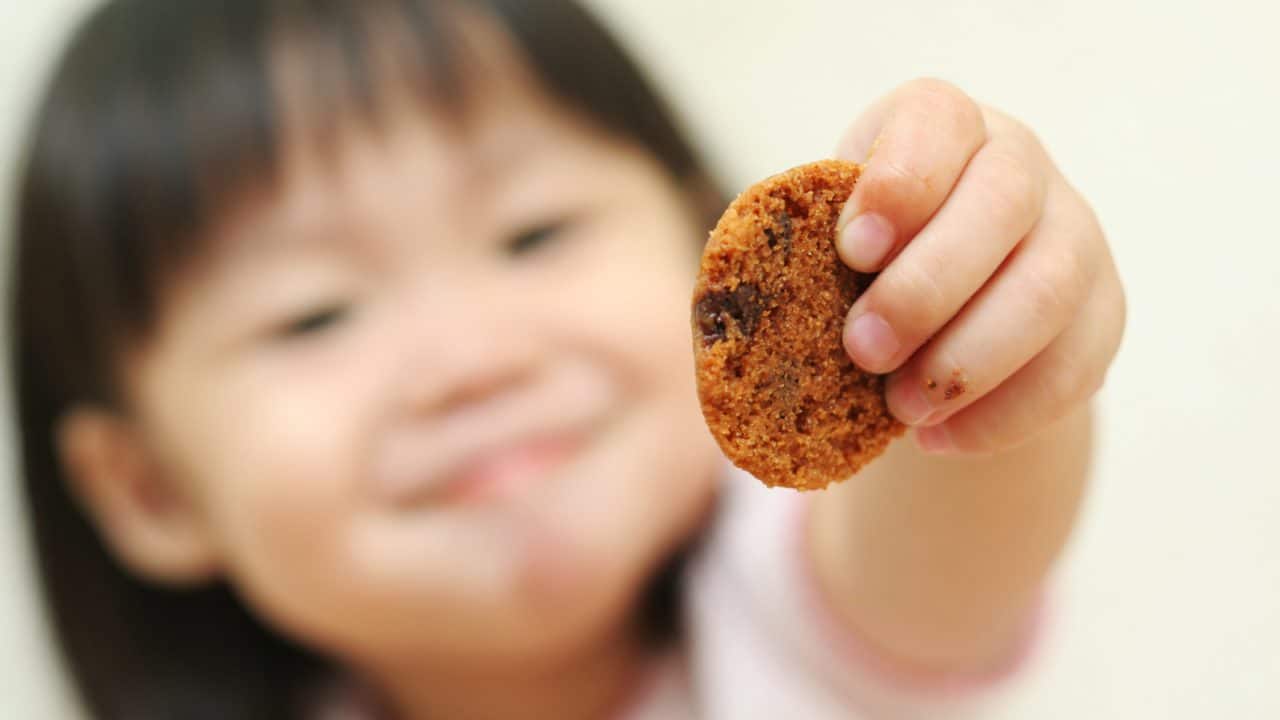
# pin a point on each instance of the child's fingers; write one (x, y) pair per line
(859, 139)
(1036, 294)
(993, 206)
(919, 139)
(1067, 372)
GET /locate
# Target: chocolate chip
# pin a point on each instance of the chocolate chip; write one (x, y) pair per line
(742, 305)
(781, 233)
(710, 322)
(735, 366)
(747, 299)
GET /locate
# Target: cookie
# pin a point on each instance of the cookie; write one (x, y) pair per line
(778, 390)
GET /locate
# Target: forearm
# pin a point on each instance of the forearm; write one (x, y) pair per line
(936, 560)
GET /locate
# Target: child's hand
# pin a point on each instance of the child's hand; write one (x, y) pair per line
(998, 306)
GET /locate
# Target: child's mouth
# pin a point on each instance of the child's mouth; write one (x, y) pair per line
(497, 446)
(510, 471)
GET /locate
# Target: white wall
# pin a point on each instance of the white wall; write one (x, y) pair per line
(1167, 116)
(1169, 120)
(30, 687)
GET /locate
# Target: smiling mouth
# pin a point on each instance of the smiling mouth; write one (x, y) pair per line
(510, 471)
(496, 447)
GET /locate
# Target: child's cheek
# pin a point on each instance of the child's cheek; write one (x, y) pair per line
(285, 485)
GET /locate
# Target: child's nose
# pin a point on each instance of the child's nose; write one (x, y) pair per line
(475, 346)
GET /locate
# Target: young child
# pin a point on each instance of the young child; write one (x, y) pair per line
(353, 361)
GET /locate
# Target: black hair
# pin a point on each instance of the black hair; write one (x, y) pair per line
(158, 113)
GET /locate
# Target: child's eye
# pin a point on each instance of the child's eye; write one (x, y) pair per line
(313, 322)
(534, 238)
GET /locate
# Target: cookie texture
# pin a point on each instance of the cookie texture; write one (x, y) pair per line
(777, 388)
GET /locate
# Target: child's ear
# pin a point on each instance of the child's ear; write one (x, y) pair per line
(149, 523)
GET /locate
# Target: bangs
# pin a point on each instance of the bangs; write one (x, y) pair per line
(164, 114)
(146, 143)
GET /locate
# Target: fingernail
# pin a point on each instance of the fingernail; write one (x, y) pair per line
(934, 439)
(910, 405)
(864, 244)
(871, 342)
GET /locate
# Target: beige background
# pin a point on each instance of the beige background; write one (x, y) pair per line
(1168, 601)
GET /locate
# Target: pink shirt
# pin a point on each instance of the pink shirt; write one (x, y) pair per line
(763, 642)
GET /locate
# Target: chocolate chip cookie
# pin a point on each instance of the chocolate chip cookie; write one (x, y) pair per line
(778, 390)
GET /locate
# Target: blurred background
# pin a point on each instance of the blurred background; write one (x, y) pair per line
(1167, 602)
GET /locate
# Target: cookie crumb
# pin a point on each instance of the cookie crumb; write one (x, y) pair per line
(958, 385)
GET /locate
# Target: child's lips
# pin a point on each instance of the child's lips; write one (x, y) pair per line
(510, 470)
(497, 442)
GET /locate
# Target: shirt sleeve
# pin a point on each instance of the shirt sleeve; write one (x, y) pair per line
(765, 643)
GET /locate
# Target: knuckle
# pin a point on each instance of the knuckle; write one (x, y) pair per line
(1012, 188)
(1121, 315)
(1026, 140)
(977, 435)
(900, 177)
(927, 86)
(913, 295)
(1013, 131)
(1086, 380)
(1054, 288)
(1094, 381)
(936, 90)
(1084, 219)
(1114, 335)
(927, 83)
(1065, 384)
(940, 100)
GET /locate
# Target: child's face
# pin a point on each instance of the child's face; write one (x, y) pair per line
(433, 396)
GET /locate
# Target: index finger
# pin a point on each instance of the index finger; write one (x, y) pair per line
(919, 139)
